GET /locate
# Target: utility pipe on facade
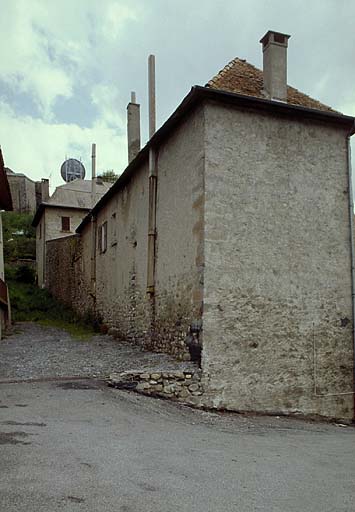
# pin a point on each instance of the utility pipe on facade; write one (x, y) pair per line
(351, 221)
(152, 181)
(93, 224)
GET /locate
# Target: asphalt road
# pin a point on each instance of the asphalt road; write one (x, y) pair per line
(81, 446)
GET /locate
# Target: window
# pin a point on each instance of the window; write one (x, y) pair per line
(99, 239)
(65, 223)
(102, 238)
(113, 230)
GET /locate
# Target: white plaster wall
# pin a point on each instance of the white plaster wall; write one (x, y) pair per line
(277, 256)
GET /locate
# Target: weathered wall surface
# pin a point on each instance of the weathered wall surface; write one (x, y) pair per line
(179, 244)
(50, 227)
(23, 193)
(54, 221)
(277, 306)
(68, 273)
(121, 270)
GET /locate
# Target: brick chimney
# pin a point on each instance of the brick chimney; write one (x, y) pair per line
(275, 65)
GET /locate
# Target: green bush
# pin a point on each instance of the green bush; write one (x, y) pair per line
(19, 236)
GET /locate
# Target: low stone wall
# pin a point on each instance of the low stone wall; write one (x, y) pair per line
(181, 386)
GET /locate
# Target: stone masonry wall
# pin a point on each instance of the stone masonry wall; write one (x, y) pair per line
(182, 386)
(277, 307)
(67, 277)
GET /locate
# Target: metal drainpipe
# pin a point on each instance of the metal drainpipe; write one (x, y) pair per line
(351, 217)
(152, 222)
(93, 260)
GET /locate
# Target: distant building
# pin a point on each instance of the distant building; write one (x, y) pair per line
(62, 213)
(5, 204)
(26, 194)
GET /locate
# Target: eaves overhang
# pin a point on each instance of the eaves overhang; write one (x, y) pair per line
(198, 95)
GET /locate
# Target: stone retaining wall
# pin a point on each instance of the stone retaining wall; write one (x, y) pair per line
(181, 386)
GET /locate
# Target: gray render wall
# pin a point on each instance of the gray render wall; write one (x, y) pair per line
(121, 299)
(277, 306)
(179, 246)
(23, 193)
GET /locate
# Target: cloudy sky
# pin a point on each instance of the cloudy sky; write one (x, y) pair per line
(68, 66)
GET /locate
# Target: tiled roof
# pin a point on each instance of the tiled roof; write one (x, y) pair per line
(243, 78)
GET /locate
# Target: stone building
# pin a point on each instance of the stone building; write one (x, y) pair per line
(27, 194)
(231, 229)
(62, 213)
(5, 204)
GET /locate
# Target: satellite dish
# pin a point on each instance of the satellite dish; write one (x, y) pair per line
(72, 169)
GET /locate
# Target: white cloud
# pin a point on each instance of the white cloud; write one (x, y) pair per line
(30, 144)
(52, 49)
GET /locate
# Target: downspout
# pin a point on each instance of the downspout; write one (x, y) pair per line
(152, 207)
(93, 228)
(351, 218)
(152, 183)
(93, 262)
(152, 200)
(44, 252)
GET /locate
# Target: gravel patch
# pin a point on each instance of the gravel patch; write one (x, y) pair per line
(36, 352)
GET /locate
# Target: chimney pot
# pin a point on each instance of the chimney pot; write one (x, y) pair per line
(274, 46)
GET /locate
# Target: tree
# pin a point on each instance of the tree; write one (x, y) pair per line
(110, 176)
(19, 236)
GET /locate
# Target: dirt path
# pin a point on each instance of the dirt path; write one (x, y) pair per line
(37, 352)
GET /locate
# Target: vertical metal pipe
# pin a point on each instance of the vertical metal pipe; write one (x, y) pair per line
(152, 221)
(351, 220)
(151, 93)
(93, 258)
(93, 175)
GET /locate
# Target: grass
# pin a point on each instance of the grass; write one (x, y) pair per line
(32, 304)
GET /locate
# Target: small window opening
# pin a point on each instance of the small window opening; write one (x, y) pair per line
(65, 223)
(102, 238)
